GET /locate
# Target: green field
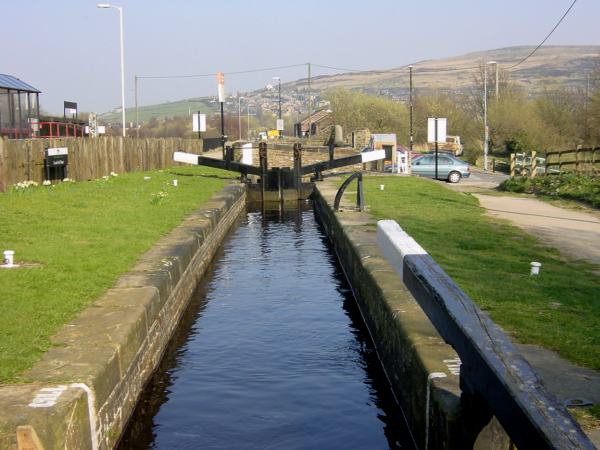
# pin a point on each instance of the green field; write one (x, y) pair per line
(489, 259)
(164, 110)
(75, 239)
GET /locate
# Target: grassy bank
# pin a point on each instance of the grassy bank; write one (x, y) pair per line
(490, 260)
(75, 239)
(581, 188)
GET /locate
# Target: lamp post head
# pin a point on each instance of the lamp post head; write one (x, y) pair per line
(491, 62)
(103, 5)
(277, 78)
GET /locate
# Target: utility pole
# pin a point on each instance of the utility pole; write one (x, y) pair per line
(585, 105)
(485, 127)
(248, 121)
(240, 118)
(309, 104)
(497, 96)
(278, 79)
(137, 116)
(410, 111)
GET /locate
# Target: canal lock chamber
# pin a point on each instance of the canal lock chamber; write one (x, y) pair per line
(272, 352)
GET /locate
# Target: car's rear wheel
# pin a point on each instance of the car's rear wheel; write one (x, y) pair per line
(454, 177)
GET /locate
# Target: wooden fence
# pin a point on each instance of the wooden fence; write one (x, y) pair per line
(580, 161)
(89, 158)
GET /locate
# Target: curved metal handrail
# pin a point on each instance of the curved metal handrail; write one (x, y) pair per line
(360, 197)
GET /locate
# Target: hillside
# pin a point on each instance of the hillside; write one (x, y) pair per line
(551, 67)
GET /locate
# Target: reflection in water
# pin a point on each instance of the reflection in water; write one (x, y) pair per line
(272, 354)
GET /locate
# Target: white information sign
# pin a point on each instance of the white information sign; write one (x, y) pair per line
(101, 129)
(199, 122)
(247, 154)
(57, 151)
(279, 124)
(441, 130)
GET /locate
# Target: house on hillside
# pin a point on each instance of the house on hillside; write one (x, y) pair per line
(19, 108)
(317, 122)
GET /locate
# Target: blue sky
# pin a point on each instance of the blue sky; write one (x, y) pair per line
(69, 49)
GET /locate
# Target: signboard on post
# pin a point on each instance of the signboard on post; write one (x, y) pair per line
(198, 122)
(279, 124)
(441, 130)
(70, 108)
(221, 86)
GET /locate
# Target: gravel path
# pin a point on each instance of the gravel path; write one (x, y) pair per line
(575, 234)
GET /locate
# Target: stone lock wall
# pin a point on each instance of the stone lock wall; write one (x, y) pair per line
(421, 367)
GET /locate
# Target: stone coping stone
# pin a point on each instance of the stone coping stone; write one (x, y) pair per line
(83, 390)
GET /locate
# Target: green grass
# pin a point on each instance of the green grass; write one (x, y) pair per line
(489, 259)
(77, 238)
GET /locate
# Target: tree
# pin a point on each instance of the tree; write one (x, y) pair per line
(354, 110)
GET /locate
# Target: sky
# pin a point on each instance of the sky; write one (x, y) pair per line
(69, 49)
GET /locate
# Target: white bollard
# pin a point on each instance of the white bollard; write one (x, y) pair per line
(535, 268)
(381, 187)
(9, 256)
(175, 183)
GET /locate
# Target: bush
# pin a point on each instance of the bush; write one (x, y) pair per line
(569, 186)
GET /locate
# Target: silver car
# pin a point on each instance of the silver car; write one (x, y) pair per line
(449, 167)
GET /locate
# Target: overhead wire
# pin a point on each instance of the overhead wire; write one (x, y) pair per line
(264, 69)
(546, 38)
(382, 71)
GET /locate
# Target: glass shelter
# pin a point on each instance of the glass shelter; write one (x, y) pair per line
(19, 108)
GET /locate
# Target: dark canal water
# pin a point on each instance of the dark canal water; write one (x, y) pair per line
(273, 354)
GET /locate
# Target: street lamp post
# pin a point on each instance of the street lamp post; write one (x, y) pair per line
(240, 118)
(485, 125)
(278, 79)
(120, 9)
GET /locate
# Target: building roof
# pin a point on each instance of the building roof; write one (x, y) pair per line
(316, 117)
(10, 82)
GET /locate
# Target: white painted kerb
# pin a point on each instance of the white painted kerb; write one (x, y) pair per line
(395, 244)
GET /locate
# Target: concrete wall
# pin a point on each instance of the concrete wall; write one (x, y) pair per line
(422, 369)
(89, 158)
(82, 392)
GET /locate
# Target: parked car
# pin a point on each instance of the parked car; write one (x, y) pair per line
(449, 167)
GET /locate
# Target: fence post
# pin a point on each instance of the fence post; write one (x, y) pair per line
(533, 170)
(559, 162)
(2, 174)
(298, 167)
(577, 161)
(512, 165)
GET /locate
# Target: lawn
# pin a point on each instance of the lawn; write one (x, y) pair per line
(489, 259)
(75, 239)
